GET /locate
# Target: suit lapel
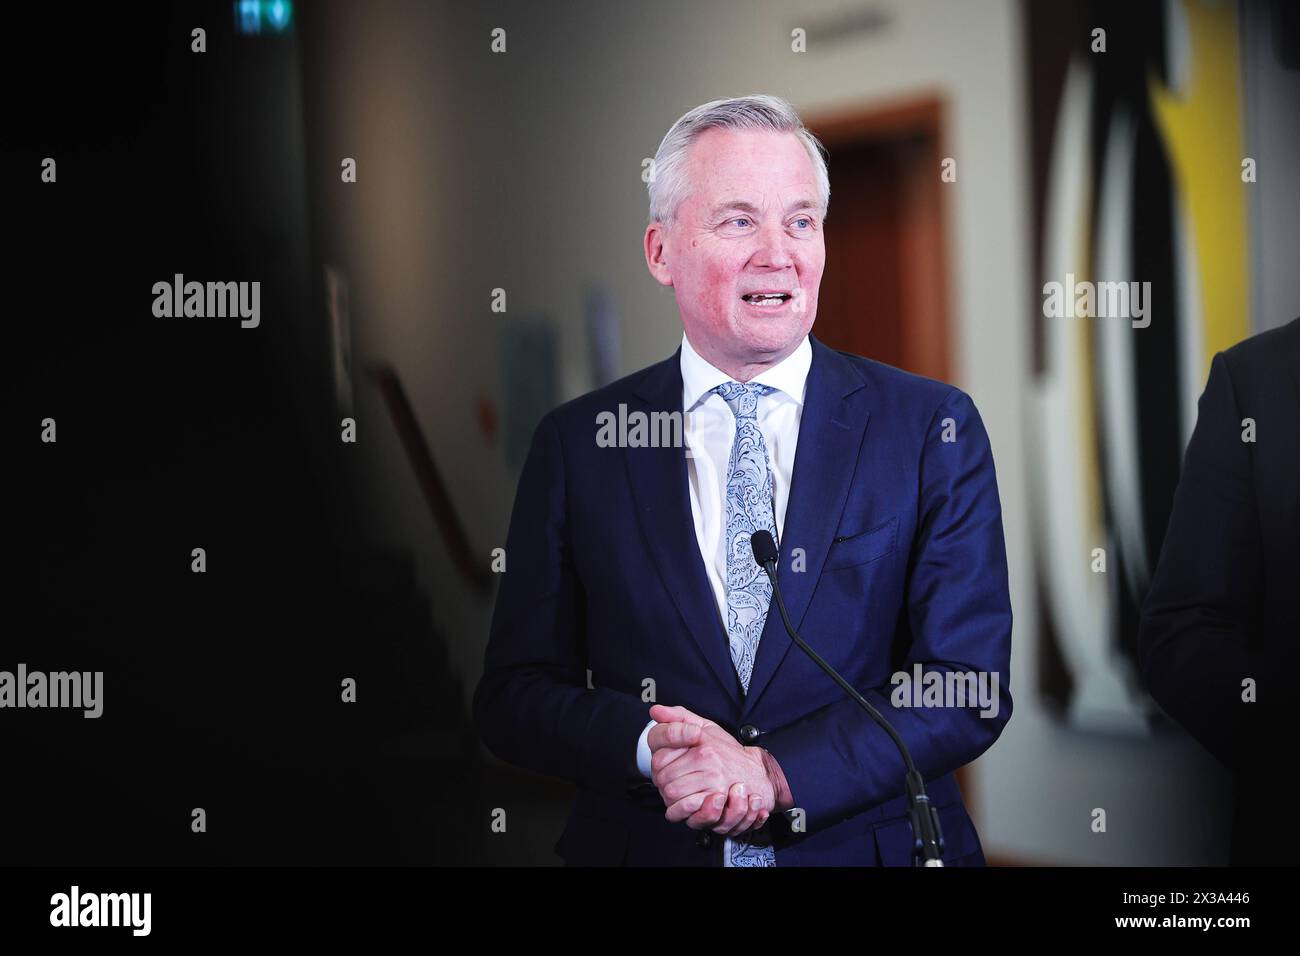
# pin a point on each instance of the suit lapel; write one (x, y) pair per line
(662, 493)
(831, 431)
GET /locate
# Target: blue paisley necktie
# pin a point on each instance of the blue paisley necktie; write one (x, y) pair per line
(749, 508)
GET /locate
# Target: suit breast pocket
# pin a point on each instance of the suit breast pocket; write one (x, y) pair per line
(848, 551)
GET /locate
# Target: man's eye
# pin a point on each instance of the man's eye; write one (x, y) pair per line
(741, 219)
(804, 219)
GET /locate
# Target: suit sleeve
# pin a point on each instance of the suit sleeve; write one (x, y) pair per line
(1192, 645)
(837, 761)
(532, 706)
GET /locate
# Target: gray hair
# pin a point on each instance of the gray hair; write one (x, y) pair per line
(668, 186)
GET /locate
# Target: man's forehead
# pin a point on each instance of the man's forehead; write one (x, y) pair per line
(735, 149)
(722, 177)
(797, 203)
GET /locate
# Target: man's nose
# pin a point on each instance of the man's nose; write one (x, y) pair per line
(773, 249)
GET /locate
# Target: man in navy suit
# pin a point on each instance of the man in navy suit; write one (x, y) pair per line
(629, 554)
(1219, 625)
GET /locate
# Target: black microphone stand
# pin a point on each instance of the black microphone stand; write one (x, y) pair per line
(927, 835)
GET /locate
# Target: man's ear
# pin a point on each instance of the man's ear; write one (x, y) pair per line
(655, 250)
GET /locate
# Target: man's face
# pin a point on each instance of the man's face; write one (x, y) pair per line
(751, 223)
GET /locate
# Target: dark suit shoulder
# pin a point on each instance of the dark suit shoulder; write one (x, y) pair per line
(1277, 350)
(893, 377)
(899, 389)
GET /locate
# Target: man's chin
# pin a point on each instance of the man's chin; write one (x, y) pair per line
(770, 340)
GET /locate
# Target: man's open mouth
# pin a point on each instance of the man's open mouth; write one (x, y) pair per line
(766, 298)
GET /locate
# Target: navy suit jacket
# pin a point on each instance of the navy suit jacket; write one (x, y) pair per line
(1224, 603)
(903, 561)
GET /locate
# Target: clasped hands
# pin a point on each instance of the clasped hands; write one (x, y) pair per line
(708, 778)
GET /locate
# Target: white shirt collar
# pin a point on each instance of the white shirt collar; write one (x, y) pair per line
(699, 377)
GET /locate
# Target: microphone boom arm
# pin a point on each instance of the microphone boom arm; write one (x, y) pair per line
(927, 835)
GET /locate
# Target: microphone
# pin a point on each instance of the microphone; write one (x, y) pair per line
(927, 836)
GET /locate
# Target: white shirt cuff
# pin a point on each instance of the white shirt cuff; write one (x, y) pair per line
(643, 751)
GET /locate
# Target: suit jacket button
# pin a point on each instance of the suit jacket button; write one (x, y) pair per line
(749, 733)
(704, 840)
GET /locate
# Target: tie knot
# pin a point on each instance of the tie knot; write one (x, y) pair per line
(743, 397)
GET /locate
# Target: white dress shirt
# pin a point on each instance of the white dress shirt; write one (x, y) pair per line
(709, 430)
